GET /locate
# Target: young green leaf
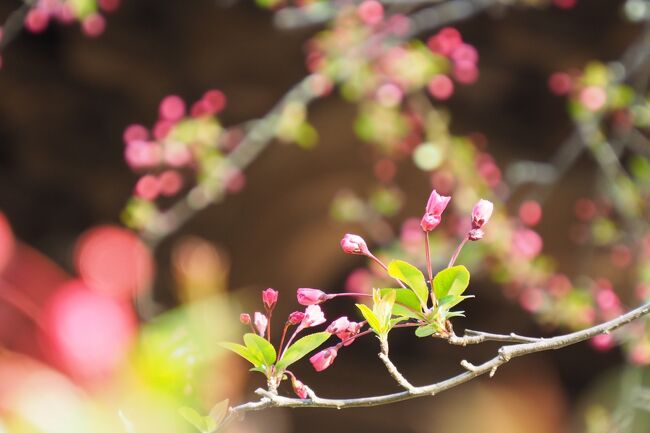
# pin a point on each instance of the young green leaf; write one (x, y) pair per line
(412, 276)
(370, 317)
(425, 331)
(301, 348)
(450, 301)
(451, 281)
(243, 352)
(383, 309)
(406, 303)
(261, 348)
(204, 424)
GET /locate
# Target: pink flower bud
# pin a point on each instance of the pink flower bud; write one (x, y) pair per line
(269, 297)
(324, 358)
(313, 317)
(347, 335)
(261, 322)
(339, 325)
(245, 318)
(296, 317)
(433, 212)
(353, 244)
(481, 213)
(311, 296)
(299, 388)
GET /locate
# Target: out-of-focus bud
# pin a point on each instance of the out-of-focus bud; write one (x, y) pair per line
(310, 296)
(296, 317)
(433, 212)
(339, 325)
(261, 322)
(299, 388)
(481, 213)
(354, 244)
(269, 297)
(324, 358)
(245, 318)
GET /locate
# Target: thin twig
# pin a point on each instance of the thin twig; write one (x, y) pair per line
(392, 369)
(505, 354)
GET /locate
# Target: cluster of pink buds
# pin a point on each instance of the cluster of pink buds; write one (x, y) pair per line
(464, 58)
(67, 12)
(175, 143)
(260, 322)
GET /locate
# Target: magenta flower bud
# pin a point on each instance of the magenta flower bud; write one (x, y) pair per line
(433, 211)
(339, 325)
(481, 213)
(354, 244)
(269, 297)
(299, 388)
(261, 322)
(313, 317)
(348, 334)
(310, 296)
(324, 358)
(296, 317)
(245, 318)
(475, 235)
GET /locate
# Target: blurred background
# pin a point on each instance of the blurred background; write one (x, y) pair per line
(65, 100)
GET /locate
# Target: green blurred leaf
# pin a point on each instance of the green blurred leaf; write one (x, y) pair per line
(451, 281)
(450, 301)
(301, 348)
(261, 348)
(204, 424)
(219, 411)
(412, 276)
(244, 352)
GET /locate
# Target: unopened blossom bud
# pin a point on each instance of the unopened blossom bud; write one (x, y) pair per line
(347, 335)
(354, 244)
(433, 211)
(324, 358)
(269, 297)
(299, 388)
(245, 318)
(261, 322)
(296, 317)
(310, 296)
(481, 213)
(313, 317)
(339, 325)
(475, 235)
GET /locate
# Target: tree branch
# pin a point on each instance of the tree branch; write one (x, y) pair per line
(505, 354)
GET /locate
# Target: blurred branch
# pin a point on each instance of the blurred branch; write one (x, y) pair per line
(257, 138)
(14, 23)
(505, 354)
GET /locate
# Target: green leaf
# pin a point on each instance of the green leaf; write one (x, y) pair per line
(397, 320)
(243, 352)
(261, 348)
(450, 301)
(370, 317)
(383, 309)
(204, 424)
(412, 276)
(219, 411)
(406, 303)
(425, 331)
(455, 314)
(451, 281)
(301, 348)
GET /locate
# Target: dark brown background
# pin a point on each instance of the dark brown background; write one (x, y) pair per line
(65, 100)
